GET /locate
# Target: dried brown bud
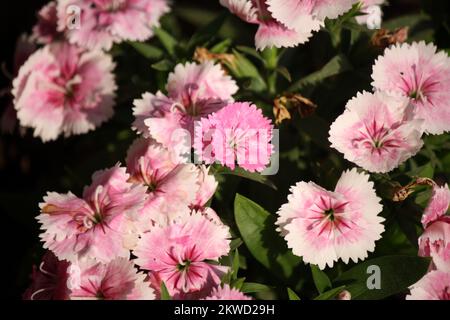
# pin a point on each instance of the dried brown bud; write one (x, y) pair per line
(202, 55)
(290, 101)
(403, 192)
(383, 38)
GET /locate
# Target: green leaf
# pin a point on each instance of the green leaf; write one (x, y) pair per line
(237, 283)
(321, 279)
(235, 243)
(257, 228)
(397, 273)
(285, 73)
(221, 47)
(164, 292)
(235, 265)
(168, 42)
(330, 294)
(251, 52)
(254, 176)
(425, 171)
(242, 68)
(252, 287)
(163, 65)
(147, 50)
(335, 66)
(207, 32)
(292, 295)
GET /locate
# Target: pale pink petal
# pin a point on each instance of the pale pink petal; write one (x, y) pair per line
(435, 285)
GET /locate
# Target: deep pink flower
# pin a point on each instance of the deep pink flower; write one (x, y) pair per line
(64, 90)
(435, 285)
(271, 32)
(184, 253)
(171, 187)
(438, 205)
(323, 226)
(226, 293)
(46, 29)
(375, 132)
(194, 91)
(237, 134)
(115, 280)
(418, 72)
(49, 281)
(93, 226)
(104, 22)
(435, 243)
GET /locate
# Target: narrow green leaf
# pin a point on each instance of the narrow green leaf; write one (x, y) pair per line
(335, 66)
(292, 295)
(147, 50)
(235, 243)
(237, 283)
(163, 65)
(235, 265)
(207, 32)
(221, 47)
(164, 292)
(330, 294)
(396, 274)
(254, 176)
(321, 279)
(257, 228)
(285, 73)
(252, 287)
(168, 42)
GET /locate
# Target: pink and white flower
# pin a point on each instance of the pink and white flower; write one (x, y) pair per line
(435, 243)
(237, 134)
(303, 14)
(104, 22)
(323, 226)
(418, 72)
(93, 226)
(171, 187)
(62, 89)
(207, 185)
(194, 91)
(375, 132)
(435, 285)
(115, 280)
(46, 29)
(372, 14)
(184, 253)
(49, 281)
(438, 205)
(271, 32)
(226, 293)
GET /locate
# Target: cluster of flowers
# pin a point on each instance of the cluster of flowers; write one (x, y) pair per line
(68, 86)
(156, 207)
(288, 23)
(378, 131)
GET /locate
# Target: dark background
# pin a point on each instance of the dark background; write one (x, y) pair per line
(29, 168)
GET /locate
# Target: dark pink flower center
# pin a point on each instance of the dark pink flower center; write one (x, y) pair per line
(330, 215)
(376, 138)
(418, 86)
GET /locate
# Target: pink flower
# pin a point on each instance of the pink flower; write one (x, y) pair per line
(45, 31)
(93, 226)
(238, 133)
(116, 280)
(438, 205)
(435, 243)
(171, 187)
(184, 253)
(24, 48)
(194, 91)
(104, 22)
(271, 32)
(435, 285)
(375, 133)
(207, 187)
(226, 293)
(64, 90)
(372, 13)
(323, 226)
(418, 72)
(49, 281)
